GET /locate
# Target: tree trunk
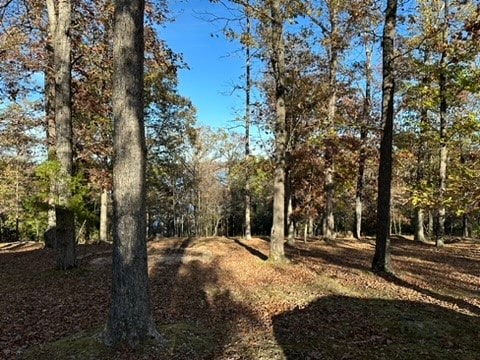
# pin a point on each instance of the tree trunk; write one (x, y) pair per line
(419, 234)
(360, 185)
(362, 158)
(419, 220)
(104, 216)
(248, 85)
(443, 131)
(329, 185)
(430, 224)
(60, 23)
(311, 231)
(305, 232)
(465, 229)
(381, 260)
(443, 171)
(277, 59)
(130, 318)
(50, 123)
(290, 223)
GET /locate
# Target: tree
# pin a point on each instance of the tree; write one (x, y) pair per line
(277, 61)
(59, 15)
(130, 318)
(248, 89)
(367, 40)
(381, 259)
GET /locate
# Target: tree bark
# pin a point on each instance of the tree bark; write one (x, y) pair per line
(60, 23)
(104, 216)
(130, 319)
(50, 121)
(381, 260)
(277, 59)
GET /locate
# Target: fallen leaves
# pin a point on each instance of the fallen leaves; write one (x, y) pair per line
(326, 301)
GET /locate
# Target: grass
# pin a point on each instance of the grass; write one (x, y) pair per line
(182, 341)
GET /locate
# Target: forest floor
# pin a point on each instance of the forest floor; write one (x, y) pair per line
(217, 298)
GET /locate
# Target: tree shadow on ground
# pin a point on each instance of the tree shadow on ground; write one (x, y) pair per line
(416, 263)
(186, 292)
(460, 303)
(250, 249)
(197, 316)
(340, 327)
(347, 257)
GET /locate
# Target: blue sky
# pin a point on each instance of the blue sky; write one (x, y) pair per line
(216, 65)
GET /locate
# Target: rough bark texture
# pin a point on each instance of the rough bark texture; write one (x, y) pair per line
(50, 124)
(381, 259)
(277, 59)
(130, 320)
(65, 234)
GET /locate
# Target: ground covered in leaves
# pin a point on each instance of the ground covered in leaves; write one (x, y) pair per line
(218, 298)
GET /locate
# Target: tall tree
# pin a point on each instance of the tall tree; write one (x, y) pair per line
(248, 90)
(130, 318)
(60, 18)
(362, 157)
(442, 89)
(381, 259)
(277, 60)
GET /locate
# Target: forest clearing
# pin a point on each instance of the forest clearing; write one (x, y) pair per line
(218, 298)
(358, 118)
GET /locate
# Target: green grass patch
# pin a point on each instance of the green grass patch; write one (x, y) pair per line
(183, 341)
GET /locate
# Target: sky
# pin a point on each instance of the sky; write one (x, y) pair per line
(215, 64)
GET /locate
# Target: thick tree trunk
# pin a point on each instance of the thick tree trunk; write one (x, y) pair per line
(104, 215)
(130, 318)
(381, 260)
(60, 23)
(277, 58)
